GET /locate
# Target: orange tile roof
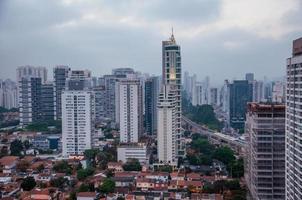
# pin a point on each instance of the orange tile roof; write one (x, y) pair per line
(8, 160)
(86, 194)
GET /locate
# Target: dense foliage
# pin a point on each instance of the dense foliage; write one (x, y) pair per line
(28, 183)
(82, 174)
(62, 167)
(202, 114)
(132, 165)
(107, 186)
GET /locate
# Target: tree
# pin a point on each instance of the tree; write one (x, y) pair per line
(62, 167)
(22, 166)
(84, 173)
(58, 182)
(37, 126)
(86, 188)
(90, 155)
(16, 148)
(72, 196)
(107, 186)
(132, 165)
(26, 144)
(28, 183)
(237, 168)
(224, 154)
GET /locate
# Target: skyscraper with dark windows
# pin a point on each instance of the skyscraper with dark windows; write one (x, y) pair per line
(60, 74)
(241, 92)
(151, 95)
(47, 102)
(171, 72)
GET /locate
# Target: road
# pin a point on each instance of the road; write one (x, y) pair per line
(233, 142)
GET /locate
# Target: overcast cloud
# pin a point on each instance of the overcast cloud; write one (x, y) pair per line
(219, 38)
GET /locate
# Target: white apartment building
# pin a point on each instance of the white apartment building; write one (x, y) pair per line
(130, 151)
(166, 129)
(78, 115)
(128, 109)
(293, 140)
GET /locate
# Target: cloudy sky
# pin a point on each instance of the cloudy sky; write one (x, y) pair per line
(219, 38)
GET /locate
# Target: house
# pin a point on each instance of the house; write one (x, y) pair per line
(206, 196)
(194, 186)
(193, 177)
(44, 177)
(42, 194)
(115, 166)
(86, 196)
(144, 184)
(177, 176)
(8, 164)
(123, 181)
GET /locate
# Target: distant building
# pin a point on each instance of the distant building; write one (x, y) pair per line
(130, 151)
(47, 102)
(46, 142)
(278, 93)
(151, 96)
(171, 72)
(60, 74)
(293, 123)
(110, 82)
(214, 96)
(8, 94)
(166, 129)
(29, 100)
(265, 158)
(100, 102)
(249, 77)
(240, 94)
(30, 81)
(129, 110)
(122, 72)
(258, 91)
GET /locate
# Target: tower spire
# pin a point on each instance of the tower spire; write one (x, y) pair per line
(172, 36)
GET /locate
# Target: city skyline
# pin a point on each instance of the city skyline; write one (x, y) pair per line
(77, 36)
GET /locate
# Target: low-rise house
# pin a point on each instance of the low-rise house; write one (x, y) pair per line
(193, 177)
(44, 177)
(86, 196)
(194, 186)
(115, 166)
(5, 178)
(123, 181)
(8, 164)
(177, 176)
(144, 184)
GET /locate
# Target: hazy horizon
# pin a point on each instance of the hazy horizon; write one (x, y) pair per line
(218, 38)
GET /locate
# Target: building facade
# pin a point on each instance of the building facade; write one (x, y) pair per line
(265, 152)
(47, 102)
(240, 94)
(166, 129)
(129, 112)
(8, 94)
(100, 102)
(293, 123)
(78, 121)
(151, 96)
(60, 74)
(171, 72)
(133, 151)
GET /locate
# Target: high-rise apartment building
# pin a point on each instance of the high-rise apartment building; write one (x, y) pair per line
(171, 72)
(265, 152)
(166, 129)
(240, 94)
(293, 123)
(213, 96)
(30, 80)
(78, 114)
(151, 96)
(100, 102)
(278, 92)
(47, 102)
(60, 74)
(197, 92)
(129, 109)
(8, 94)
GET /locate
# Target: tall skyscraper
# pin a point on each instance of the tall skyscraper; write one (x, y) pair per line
(278, 92)
(293, 123)
(240, 94)
(129, 110)
(166, 137)
(151, 96)
(78, 113)
(60, 74)
(197, 92)
(213, 96)
(171, 72)
(31, 71)
(265, 158)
